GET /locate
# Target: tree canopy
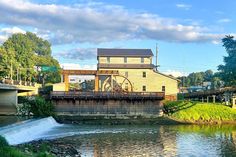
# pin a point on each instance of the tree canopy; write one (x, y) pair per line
(21, 53)
(228, 70)
(197, 79)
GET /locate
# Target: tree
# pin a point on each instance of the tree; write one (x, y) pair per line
(208, 75)
(22, 52)
(228, 70)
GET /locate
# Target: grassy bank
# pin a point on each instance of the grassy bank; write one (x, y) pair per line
(196, 112)
(10, 151)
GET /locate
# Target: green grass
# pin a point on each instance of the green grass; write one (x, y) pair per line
(9, 151)
(199, 112)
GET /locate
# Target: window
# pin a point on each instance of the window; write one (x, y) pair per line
(163, 88)
(144, 74)
(126, 74)
(126, 87)
(144, 88)
(125, 59)
(108, 59)
(142, 59)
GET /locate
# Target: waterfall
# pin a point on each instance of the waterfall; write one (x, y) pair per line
(28, 130)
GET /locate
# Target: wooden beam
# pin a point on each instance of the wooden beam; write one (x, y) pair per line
(66, 80)
(96, 83)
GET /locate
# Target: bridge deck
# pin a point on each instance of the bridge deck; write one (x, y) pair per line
(108, 95)
(210, 92)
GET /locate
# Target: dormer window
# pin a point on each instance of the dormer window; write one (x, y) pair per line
(142, 59)
(125, 59)
(108, 59)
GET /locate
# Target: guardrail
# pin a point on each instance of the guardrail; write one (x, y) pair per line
(14, 82)
(210, 92)
(106, 95)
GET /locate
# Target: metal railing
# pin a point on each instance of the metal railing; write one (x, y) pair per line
(19, 83)
(107, 95)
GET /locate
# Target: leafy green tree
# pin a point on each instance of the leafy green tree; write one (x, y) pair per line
(197, 78)
(22, 52)
(228, 70)
(208, 75)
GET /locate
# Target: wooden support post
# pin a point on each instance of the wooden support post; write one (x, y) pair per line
(112, 83)
(62, 78)
(207, 99)
(233, 102)
(202, 99)
(96, 83)
(66, 80)
(214, 98)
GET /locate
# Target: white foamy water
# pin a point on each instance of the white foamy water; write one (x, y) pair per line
(28, 130)
(46, 128)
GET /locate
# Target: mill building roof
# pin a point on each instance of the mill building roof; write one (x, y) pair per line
(124, 52)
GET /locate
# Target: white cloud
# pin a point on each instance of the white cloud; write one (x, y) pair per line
(183, 6)
(8, 31)
(74, 66)
(224, 20)
(175, 73)
(97, 22)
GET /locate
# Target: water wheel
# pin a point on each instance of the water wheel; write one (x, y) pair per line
(117, 83)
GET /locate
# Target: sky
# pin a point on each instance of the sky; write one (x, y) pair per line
(188, 33)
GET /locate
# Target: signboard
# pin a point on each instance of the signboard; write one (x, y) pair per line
(45, 68)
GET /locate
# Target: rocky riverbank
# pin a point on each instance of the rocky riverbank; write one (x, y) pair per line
(62, 147)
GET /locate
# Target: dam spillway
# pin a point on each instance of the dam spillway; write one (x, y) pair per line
(28, 130)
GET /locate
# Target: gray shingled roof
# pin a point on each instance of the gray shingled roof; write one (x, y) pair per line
(124, 52)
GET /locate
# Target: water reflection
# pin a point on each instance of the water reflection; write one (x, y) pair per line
(147, 141)
(161, 141)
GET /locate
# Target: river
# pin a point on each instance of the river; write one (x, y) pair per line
(149, 140)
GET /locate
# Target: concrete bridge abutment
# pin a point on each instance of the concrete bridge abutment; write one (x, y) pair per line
(8, 102)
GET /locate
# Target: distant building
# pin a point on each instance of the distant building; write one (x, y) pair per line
(137, 73)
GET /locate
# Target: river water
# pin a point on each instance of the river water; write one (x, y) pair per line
(148, 140)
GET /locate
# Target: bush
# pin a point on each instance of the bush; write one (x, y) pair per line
(37, 106)
(3, 142)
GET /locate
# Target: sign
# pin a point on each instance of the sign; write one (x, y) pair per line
(45, 68)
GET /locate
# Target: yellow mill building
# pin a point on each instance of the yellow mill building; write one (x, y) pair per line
(136, 72)
(125, 70)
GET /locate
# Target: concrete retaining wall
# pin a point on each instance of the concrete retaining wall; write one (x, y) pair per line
(146, 108)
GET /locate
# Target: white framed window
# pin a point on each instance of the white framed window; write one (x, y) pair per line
(144, 74)
(142, 59)
(125, 59)
(144, 89)
(126, 74)
(108, 59)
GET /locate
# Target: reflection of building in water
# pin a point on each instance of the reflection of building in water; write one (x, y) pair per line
(148, 144)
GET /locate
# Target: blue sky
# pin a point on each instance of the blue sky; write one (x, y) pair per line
(188, 33)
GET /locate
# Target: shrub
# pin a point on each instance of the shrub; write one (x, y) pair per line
(37, 106)
(3, 142)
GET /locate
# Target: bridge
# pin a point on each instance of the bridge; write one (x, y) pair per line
(221, 94)
(9, 92)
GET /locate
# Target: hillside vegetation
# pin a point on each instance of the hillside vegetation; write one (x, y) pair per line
(196, 112)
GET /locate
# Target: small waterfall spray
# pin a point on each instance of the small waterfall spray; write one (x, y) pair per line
(29, 130)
